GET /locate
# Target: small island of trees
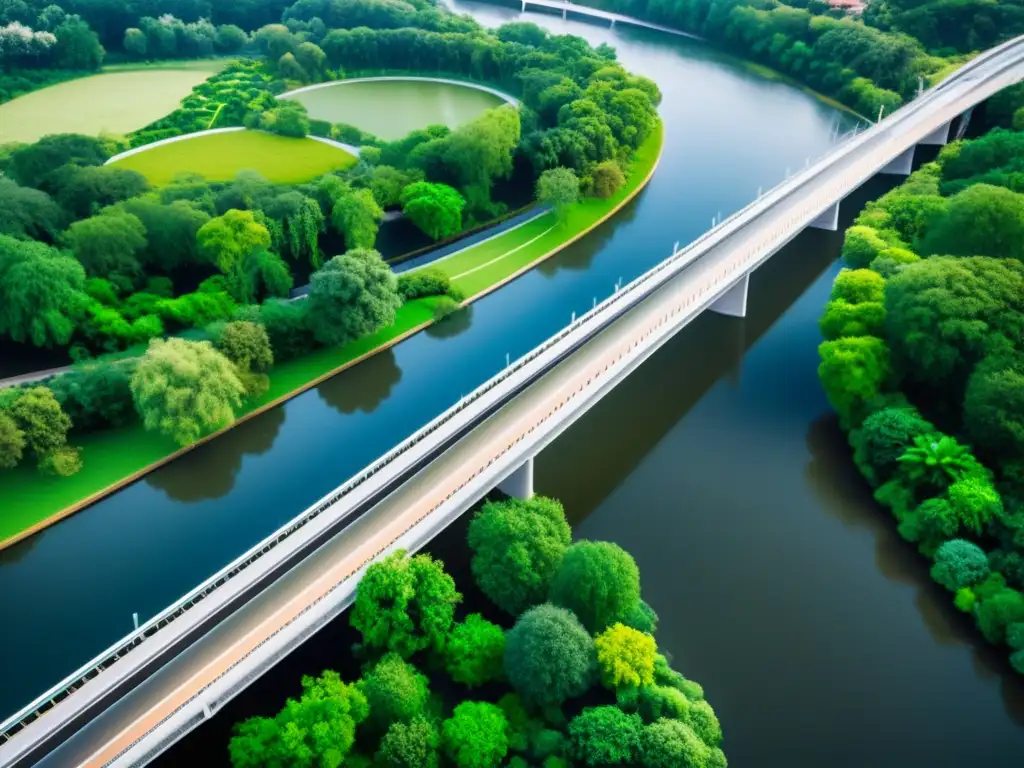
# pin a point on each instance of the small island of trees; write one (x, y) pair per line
(562, 671)
(923, 364)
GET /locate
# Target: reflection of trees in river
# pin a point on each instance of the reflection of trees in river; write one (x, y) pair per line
(452, 325)
(579, 255)
(364, 386)
(209, 472)
(18, 551)
(842, 492)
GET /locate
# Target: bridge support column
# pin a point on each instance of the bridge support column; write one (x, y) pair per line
(965, 120)
(829, 218)
(563, 12)
(519, 485)
(937, 138)
(734, 301)
(901, 165)
(523, 10)
(613, 23)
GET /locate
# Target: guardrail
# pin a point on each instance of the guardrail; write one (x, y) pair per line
(28, 714)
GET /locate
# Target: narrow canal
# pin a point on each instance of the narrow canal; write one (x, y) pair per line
(780, 585)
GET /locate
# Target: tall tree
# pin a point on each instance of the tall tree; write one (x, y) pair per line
(434, 208)
(599, 582)
(559, 188)
(350, 296)
(107, 245)
(40, 290)
(185, 389)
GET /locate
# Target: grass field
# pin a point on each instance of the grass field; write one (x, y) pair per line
(110, 456)
(121, 98)
(220, 156)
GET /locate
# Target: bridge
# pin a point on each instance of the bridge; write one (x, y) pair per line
(140, 696)
(571, 10)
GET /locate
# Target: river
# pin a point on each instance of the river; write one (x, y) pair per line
(854, 652)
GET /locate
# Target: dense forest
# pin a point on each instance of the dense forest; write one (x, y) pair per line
(867, 65)
(564, 670)
(95, 260)
(924, 363)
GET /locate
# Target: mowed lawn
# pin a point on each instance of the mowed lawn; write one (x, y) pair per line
(117, 100)
(111, 455)
(220, 156)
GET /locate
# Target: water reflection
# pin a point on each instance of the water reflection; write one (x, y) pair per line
(364, 387)
(209, 472)
(13, 554)
(841, 491)
(451, 326)
(580, 254)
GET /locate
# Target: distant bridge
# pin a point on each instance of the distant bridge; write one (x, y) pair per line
(140, 696)
(570, 10)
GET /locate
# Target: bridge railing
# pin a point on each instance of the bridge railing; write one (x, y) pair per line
(74, 681)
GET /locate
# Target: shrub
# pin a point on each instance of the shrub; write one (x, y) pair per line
(959, 564)
(862, 245)
(625, 657)
(425, 282)
(672, 744)
(517, 546)
(475, 651)
(395, 692)
(605, 736)
(410, 745)
(844, 319)
(474, 736)
(858, 285)
(97, 394)
(598, 581)
(883, 437)
(549, 657)
(999, 611)
(606, 179)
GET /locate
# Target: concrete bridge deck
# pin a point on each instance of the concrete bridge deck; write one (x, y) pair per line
(570, 9)
(184, 671)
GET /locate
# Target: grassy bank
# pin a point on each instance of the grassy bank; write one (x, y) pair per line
(121, 98)
(116, 457)
(220, 156)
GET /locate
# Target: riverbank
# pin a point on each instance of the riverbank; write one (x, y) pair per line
(114, 459)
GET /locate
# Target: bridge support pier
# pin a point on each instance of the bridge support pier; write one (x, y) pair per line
(734, 301)
(519, 485)
(901, 165)
(828, 219)
(965, 120)
(563, 13)
(937, 138)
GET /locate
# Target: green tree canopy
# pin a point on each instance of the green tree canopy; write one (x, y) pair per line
(559, 188)
(672, 744)
(395, 692)
(317, 729)
(33, 164)
(852, 371)
(246, 345)
(27, 212)
(603, 736)
(228, 240)
(86, 190)
(40, 290)
(861, 246)
(352, 295)
(12, 442)
(108, 245)
(842, 319)
(410, 745)
(357, 216)
(883, 437)
(185, 389)
(982, 220)
(858, 285)
(625, 657)
(405, 604)
(943, 315)
(998, 612)
(960, 563)
(994, 404)
(549, 657)
(517, 546)
(434, 208)
(474, 736)
(38, 415)
(481, 151)
(170, 229)
(475, 651)
(599, 582)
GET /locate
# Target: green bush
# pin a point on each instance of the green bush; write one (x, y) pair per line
(599, 582)
(602, 736)
(959, 564)
(549, 657)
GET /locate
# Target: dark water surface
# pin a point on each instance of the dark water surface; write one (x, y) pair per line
(780, 586)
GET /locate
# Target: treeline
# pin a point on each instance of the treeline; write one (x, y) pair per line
(924, 363)
(861, 66)
(92, 258)
(566, 671)
(949, 26)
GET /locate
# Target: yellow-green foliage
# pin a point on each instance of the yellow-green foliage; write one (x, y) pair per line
(220, 156)
(625, 657)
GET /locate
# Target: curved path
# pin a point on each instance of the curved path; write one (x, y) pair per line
(414, 78)
(414, 492)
